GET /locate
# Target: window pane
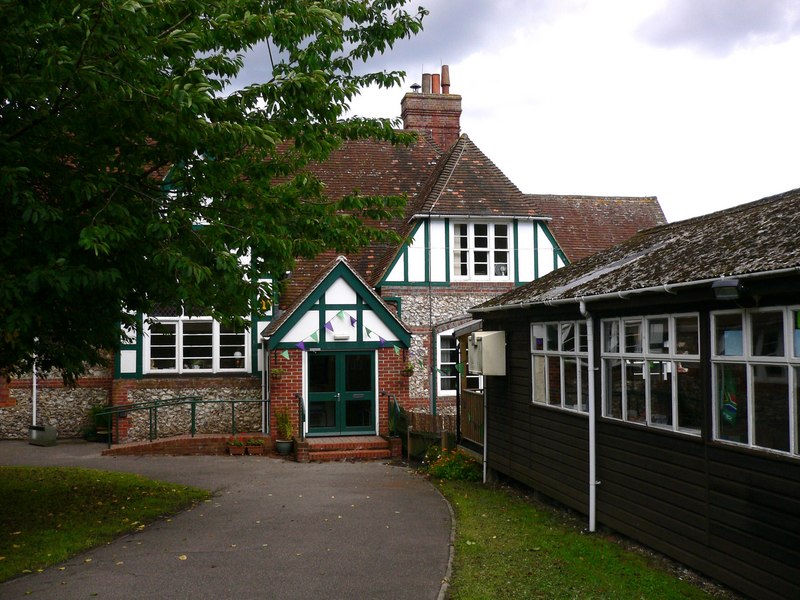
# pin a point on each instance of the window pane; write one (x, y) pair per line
(731, 395)
(357, 372)
(610, 336)
(539, 382)
(658, 336)
(538, 333)
(660, 393)
(584, 366)
(321, 373)
(612, 399)
(728, 334)
(552, 337)
(481, 265)
(448, 357)
(460, 250)
(635, 390)
(231, 348)
(568, 337)
(796, 330)
(583, 339)
(481, 235)
(771, 406)
(501, 237)
(163, 346)
(686, 333)
(554, 380)
(501, 264)
(797, 409)
(766, 331)
(197, 344)
(633, 336)
(570, 382)
(690, 401)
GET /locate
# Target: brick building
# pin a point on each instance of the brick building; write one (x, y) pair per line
(348, 328)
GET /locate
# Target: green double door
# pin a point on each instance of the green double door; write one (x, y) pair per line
(341, 393)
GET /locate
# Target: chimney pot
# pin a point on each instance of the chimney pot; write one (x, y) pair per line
(435, 83)
(426, 83)
(445, 79)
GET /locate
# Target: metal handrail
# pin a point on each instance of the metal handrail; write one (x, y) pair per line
(116, 412)
(301, 415)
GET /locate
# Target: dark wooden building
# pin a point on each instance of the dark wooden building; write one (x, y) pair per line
(655, 387)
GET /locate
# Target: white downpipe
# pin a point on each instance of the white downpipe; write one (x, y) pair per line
(485, 437)
(592, 422)
(264, 380)
(35, 389)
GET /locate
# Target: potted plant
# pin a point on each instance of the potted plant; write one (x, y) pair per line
(235, 445)
(283, 427)
(407, 370)
(255, 445)
(277, 373)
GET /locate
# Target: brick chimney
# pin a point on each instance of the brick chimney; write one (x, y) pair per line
(434, 109)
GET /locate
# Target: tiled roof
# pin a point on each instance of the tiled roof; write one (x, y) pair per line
(584, 225)
(367, 167)
(466, 182)
(759, 237)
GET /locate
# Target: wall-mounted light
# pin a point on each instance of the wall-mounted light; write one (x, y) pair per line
(727, 289)
(340, 337)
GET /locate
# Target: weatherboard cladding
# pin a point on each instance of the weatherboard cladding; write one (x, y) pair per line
(698, 249)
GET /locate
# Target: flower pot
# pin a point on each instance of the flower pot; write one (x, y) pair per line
(255, 450)
(236, 450)
(284, 447)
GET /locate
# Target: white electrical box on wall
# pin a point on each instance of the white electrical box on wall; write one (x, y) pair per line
(487, 353)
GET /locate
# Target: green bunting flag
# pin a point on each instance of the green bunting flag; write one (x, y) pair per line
(285, 354)
(315, 336)
(396, 350)
(460, 368)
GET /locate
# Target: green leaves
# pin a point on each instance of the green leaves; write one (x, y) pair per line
(100, 100)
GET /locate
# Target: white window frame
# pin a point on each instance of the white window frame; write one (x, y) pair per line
(640, 358)
(180, 366)
(751, 362)
(579, 353)
(440, 367)
(490, 249)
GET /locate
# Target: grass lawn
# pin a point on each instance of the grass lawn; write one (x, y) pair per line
(508, 546)
(48, 514)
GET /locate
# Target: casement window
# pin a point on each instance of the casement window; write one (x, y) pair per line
(756, 377)
(651, 371)
(481, 251)
(178, 344)
(560, 364)
(447, 373)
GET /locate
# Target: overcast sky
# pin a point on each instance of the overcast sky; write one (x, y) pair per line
(694, 101)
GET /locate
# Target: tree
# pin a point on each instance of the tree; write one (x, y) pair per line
(130, 176)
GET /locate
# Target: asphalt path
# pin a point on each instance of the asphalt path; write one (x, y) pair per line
(273, 529)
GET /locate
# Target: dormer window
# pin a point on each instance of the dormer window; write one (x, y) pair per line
(481, 251)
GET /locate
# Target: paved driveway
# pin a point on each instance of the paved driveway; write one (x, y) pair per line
(274, 529)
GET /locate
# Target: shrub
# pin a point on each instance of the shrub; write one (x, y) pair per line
(454, 465)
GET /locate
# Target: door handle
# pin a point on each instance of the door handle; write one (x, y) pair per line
(338, 396)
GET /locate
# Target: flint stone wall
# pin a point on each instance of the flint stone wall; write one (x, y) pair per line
(214, 417)
(65, 409)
